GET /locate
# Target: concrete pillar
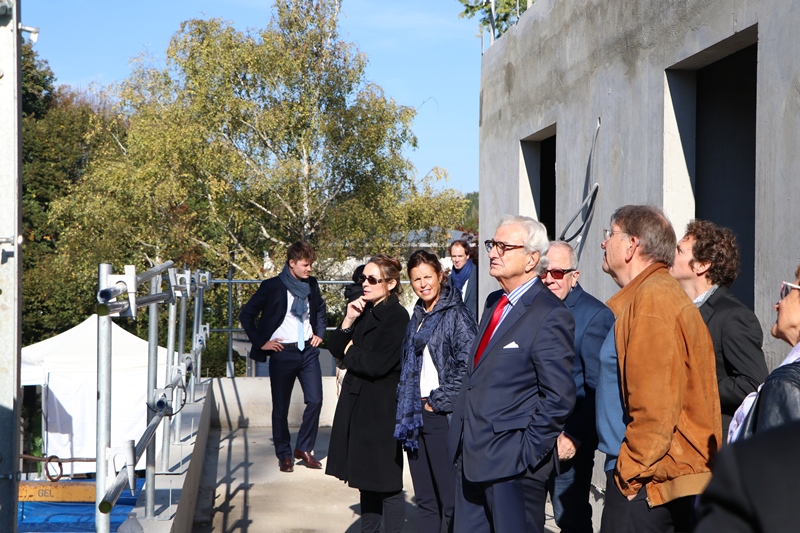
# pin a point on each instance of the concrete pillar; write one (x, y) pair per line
(10, 259)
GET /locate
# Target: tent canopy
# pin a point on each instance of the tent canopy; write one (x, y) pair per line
(66, 368)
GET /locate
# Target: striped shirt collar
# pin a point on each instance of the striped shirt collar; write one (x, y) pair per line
(516, 294)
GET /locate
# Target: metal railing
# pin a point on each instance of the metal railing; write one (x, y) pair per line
(230, 330)
(180, 366)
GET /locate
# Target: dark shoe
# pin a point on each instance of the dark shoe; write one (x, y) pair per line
(287, 465)
(307, 458)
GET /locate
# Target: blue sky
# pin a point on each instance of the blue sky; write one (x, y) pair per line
(419, 51)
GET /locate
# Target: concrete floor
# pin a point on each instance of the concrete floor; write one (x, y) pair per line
(243, 490)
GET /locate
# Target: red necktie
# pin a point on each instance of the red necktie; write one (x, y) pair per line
(487, 335)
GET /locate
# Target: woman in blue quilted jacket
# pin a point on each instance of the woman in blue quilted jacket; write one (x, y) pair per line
(435, 351)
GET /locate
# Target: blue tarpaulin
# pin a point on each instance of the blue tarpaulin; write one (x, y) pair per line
(34, 517)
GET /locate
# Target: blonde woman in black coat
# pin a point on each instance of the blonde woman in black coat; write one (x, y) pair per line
(363, 451)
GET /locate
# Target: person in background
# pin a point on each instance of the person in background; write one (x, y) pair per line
(352, 292)
(363, 451)
(517, 392)
(706, 264)
(778, 401)
(667, 380)
(435, 352)
(569, 488)
(464, 276)
(290, 328)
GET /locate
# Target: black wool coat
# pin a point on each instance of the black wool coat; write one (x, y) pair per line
(363, 451)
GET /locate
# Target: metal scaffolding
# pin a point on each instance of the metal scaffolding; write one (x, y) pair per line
(182, 368)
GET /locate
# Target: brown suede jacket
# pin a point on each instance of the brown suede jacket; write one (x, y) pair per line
(669, 389)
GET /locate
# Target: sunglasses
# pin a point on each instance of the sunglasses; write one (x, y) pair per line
(786, 288)
(372, 280)
(557, 273)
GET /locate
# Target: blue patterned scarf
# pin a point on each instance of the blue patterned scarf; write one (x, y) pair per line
(299, 289)
(409, 402)
(460, 277)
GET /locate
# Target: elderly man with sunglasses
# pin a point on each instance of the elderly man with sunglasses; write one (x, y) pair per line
(517, 391)
(569, 488)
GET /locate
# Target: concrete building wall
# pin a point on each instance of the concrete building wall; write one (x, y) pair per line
(625, 74)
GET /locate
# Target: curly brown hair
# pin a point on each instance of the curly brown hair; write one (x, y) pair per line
(716, 245)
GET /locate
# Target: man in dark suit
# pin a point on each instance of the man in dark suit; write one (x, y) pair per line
(569, 488)
(517, 391)
(754, 487)
(290, 328)
(706, 264)
(464, 276)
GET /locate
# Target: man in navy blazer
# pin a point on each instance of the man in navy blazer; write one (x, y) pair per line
(517, 391)
(290, 328)
(569, 488)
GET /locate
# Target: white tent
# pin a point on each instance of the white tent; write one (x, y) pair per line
(66, 368)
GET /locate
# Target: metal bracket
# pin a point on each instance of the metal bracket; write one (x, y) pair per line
(162, 398)
(200, 338)
(203, 279)
(115, 287)
(128, 451)
(183, 283)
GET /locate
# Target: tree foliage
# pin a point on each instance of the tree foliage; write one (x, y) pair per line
(244, 142)
(55, 154)
(507, 13)
(38, 83)
(238, 144)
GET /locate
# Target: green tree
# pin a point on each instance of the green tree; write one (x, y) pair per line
(506, 13)
(55, 152)
(38, 83)
(244, 142)
(471, 214)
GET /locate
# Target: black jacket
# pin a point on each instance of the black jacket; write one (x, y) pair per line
(754, 488)
(778, 402)
(363, 451)
(271, 301)
(449, 346)
(737, 338)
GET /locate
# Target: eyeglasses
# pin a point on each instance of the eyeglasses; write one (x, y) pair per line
(786, 288)
(372, 280)
(607, 233)
(557, 273)
(501, 246)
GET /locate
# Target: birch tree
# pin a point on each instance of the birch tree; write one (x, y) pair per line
(246, 141)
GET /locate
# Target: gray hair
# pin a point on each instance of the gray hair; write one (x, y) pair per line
(536, 240)
(654, 230)
(573, 255)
